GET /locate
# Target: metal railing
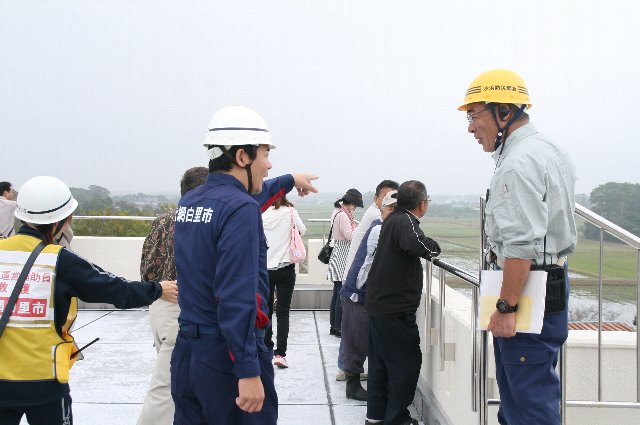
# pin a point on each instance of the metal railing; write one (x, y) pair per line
(479, 367)
(324, 222)
(114, 217)
(605, 226)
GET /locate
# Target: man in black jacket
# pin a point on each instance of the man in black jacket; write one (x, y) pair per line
(393, 296)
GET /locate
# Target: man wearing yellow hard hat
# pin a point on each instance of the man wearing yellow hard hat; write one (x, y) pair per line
(529, 223)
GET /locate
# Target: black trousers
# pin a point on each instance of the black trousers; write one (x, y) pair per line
(335, 309)
(283, 281)
(53, 413)
(394, 366)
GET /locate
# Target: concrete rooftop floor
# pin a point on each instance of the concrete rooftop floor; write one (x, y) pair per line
(109, 385)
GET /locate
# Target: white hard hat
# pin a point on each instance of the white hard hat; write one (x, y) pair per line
(236, 126)
(44, 200)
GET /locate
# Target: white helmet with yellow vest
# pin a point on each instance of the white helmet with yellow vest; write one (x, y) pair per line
(44, 200)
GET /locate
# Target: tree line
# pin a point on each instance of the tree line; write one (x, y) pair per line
(97, 201)
(617, 202)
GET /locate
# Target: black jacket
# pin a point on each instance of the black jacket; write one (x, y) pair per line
(395, 280)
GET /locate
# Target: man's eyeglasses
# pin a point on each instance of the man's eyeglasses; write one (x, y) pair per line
(472, 117)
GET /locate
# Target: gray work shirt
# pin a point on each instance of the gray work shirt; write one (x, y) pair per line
(531, 196)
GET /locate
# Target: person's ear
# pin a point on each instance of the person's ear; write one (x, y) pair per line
(503, 112)
(242, 158)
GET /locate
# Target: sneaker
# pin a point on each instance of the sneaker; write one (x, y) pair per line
(340, 376)
(281, 362)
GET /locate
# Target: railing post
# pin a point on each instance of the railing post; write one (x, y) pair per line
(427, 307)
(563, 384)
(482, 345)
(475, 361)
(638, 327)
(441, 337)
(600, 315)
(484, 372)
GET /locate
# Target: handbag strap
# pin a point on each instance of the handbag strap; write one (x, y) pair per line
(293, 222)
(293, 226)
(333, 221)
(8, 309)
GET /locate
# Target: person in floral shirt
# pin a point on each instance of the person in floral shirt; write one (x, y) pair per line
(158, 264)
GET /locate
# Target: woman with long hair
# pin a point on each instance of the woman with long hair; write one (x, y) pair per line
(277, 221)
(343, 225)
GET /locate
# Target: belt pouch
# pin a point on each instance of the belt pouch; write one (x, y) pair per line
(556, 298)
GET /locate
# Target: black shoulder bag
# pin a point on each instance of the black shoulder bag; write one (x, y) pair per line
(325, 253)
(8, 309)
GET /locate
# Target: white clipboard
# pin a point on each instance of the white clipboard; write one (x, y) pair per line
(530, 314)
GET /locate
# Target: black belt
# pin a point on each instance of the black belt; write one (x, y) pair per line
(195, 331)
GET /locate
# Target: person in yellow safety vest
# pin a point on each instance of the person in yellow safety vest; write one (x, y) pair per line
(36, 347)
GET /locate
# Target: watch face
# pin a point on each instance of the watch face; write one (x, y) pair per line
(503, 307)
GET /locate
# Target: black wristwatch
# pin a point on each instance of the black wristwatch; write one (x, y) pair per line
(503, 307)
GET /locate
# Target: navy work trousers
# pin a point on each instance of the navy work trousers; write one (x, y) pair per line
(204, 388)
(281, 281)
(394, 366)
(526, 372)
(53, 413)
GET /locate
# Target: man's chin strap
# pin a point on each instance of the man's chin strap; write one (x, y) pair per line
(503, 130)
(226, 153)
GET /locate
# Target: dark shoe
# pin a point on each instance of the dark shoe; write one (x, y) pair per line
(354, 388)
(373, 423)
(410, 421)
(335, 332)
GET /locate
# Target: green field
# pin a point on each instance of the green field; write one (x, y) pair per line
(460, 238)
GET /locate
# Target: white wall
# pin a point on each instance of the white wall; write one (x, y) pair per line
(120, 256)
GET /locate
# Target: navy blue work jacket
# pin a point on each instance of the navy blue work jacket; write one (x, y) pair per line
(221, 262)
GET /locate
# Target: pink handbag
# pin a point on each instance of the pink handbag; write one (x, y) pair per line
(297, 250)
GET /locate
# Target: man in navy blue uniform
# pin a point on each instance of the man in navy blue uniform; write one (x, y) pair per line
(221, 370)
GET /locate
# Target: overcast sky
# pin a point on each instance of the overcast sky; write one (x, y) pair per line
(119, 93)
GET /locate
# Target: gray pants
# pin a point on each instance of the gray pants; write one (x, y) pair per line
(355, 335)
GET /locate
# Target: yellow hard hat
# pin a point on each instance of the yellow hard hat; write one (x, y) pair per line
(497, 86)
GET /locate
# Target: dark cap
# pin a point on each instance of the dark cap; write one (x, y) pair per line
(353, 196)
